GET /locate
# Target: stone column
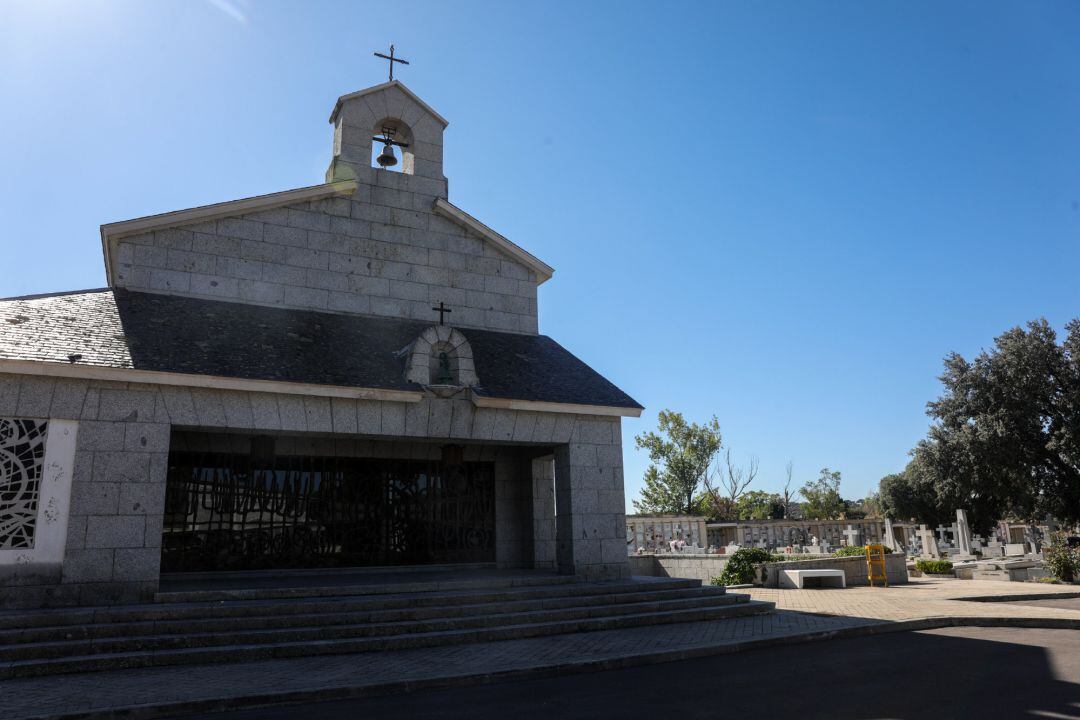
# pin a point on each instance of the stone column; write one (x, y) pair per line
(591, 520)
(543, 513)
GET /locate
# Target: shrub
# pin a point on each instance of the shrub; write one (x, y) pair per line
(853, 550)
(934, 567)
(1062, 560)
(739, 570)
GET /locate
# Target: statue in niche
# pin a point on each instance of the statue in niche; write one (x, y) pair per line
(445, 376)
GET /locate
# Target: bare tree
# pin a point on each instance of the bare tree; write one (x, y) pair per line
(787, 495)
(730, 484)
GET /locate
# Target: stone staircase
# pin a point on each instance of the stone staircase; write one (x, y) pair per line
(240, 625)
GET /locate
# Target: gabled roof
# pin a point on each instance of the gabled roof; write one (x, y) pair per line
(377, 88)
(452, 212)
(173, 340)
(114, 231)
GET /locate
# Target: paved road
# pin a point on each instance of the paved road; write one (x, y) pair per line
(979, 673)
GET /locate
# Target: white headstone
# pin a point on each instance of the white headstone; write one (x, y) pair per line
(852, 536)
(929, 544)
(890, 537)
(963, 536)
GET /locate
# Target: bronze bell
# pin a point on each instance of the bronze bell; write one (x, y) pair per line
(386, 158)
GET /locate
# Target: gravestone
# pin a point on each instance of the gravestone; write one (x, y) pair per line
(963, 537)
(929, 544)
(851, 536)
(890, 537)
(1015, 550)
(1032, 539)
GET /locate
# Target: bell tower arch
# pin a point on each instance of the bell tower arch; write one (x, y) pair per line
(361, 117)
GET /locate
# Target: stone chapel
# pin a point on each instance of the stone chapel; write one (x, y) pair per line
(344, 375)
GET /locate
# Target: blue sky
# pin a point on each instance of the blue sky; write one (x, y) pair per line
(783, 214)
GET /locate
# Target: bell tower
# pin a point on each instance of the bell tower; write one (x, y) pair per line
(386, 112)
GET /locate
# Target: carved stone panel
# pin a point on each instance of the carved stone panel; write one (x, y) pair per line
(22, 458)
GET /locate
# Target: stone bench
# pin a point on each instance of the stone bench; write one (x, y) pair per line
(818, 578)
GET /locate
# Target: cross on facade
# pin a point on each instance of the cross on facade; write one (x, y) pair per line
(442, 310)
(392, 60)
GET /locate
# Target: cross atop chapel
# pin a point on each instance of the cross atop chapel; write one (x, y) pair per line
(391, 60)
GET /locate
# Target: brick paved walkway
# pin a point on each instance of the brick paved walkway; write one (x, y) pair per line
(923, 598)
(802, 615)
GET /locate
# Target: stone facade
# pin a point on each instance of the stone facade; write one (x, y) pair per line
(117, 498)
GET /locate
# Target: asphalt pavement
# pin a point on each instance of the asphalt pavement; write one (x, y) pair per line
(951, 673)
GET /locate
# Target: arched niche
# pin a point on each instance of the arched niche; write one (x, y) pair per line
(442, 358)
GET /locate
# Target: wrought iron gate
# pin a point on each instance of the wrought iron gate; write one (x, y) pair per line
(229, 512)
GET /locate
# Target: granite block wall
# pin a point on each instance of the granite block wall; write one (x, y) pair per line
(381, 251)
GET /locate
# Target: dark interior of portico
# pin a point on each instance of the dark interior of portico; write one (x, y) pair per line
(238, 502)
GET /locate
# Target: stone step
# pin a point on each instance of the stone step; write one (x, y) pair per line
(272, 616)
(23, 619)
(483, 617)
(334, 646)
(417, 585)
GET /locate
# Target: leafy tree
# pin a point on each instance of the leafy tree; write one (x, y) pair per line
(759, 505)
(911, 494)
(868, 507)
(822, 496)
(1006, 434)
(681, 454)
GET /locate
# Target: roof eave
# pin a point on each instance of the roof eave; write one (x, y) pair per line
(376, 88)
(487, 401)
(451, 212)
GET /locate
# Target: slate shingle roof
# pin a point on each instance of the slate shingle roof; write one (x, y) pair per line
(124, 329)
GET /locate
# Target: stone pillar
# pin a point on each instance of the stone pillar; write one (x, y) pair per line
(543, 516)
(591, 520)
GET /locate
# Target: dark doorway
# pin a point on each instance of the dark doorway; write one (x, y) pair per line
(228, 511)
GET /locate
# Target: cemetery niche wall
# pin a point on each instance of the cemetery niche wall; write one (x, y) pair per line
(349, 373)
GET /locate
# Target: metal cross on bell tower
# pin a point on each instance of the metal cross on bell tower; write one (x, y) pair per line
(392, 60)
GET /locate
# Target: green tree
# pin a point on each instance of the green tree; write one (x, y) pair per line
(867, 507)
(681, 454)
(911, 494)
(759, 505)
(1006, 434)
(822, 496)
